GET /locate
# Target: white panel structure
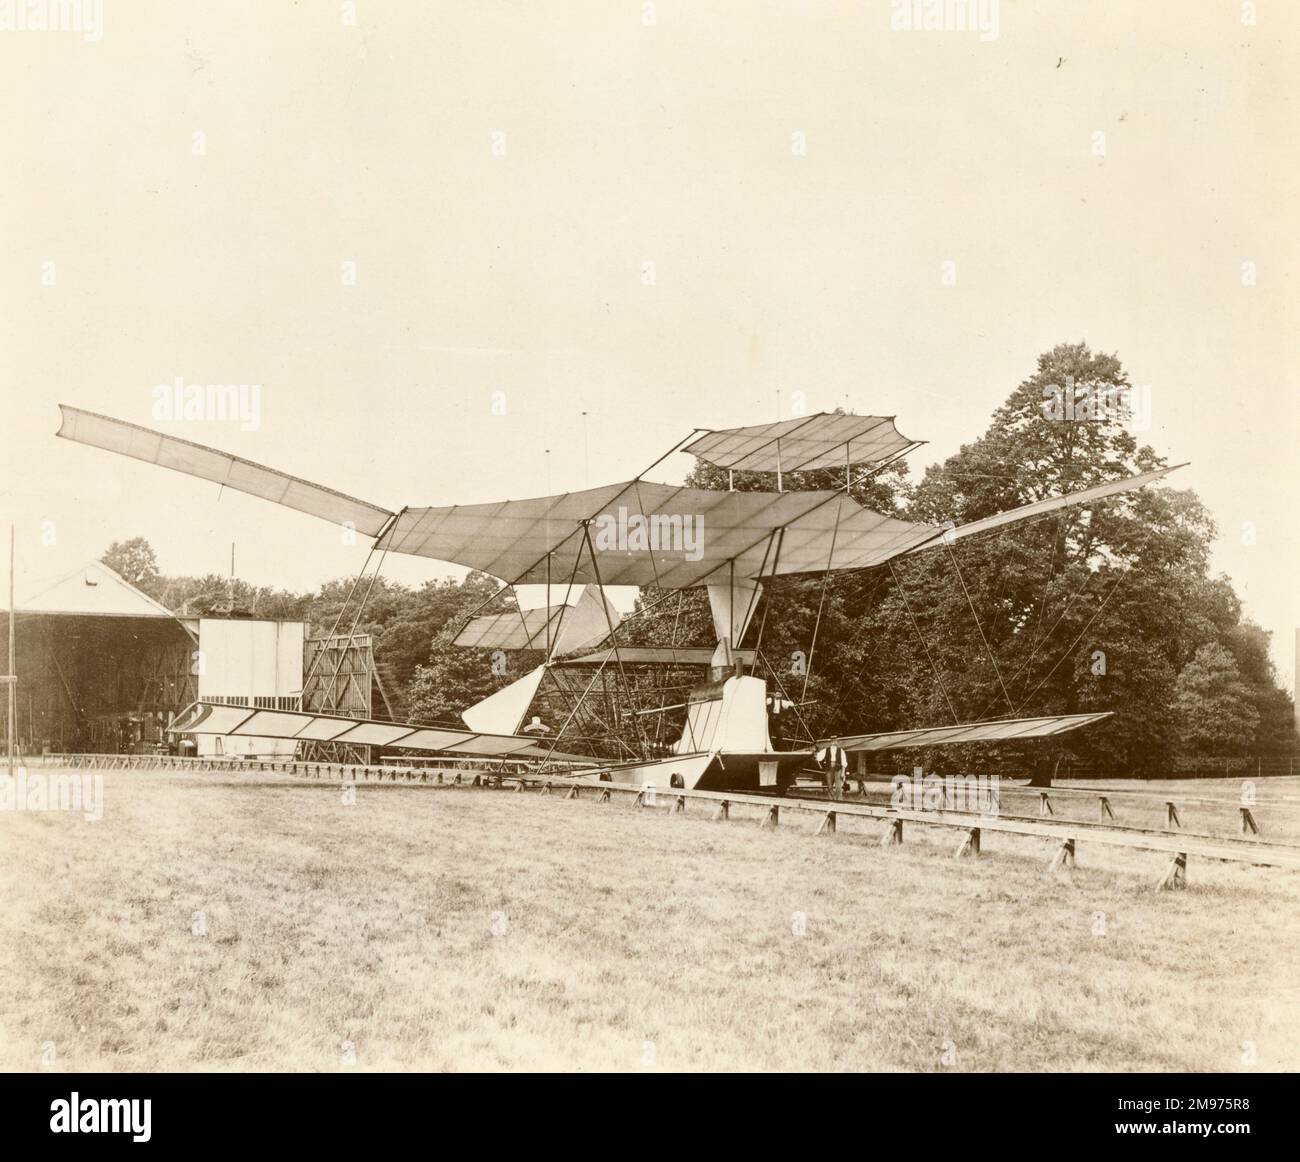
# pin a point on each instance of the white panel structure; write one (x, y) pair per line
(250, 663)
(735, 719)
(503, 712)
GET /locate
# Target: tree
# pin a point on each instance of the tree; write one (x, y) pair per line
(1094, 608)
(1249, 645)
(135, 561)
(1214, 704)
(450, 678)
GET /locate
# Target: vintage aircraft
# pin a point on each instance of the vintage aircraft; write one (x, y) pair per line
(634, 532)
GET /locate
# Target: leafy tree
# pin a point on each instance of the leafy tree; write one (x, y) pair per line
(450, 678)
(135, 561)
(1249, 646)
(1092, 608)
(1214, 703)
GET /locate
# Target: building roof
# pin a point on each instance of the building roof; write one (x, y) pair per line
(92, 590)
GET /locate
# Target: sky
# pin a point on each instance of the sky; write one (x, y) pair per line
(471, 252)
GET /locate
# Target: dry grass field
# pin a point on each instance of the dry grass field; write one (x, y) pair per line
(256, 922)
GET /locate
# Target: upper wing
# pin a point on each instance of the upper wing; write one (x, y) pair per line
(644, 533)
(635, 532)
(222, 468)
(638, 532)
(824, 440)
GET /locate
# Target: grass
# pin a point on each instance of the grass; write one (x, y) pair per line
(362, 937)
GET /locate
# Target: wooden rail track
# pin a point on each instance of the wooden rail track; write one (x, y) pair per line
(1066, 833)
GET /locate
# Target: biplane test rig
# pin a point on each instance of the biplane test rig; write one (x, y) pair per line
(634, 533)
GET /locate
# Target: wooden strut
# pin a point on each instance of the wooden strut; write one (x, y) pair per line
(826, 581)
(613, 638)
(1044, 804)
(723, 811)
(1171, 816)
(604, 796)
(827, 825)
(1175, 877)
(1063, 860)
(573, 792)
(577, 560)
(893, 834)
(1248, 823)
(772, 818)
(1104, 808)
(678, 806)
(970, 844)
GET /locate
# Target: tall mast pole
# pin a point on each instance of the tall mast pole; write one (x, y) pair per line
(13, 666)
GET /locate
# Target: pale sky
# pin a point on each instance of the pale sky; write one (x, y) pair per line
(500, 174)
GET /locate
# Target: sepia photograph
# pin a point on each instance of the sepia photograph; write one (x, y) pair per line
(649, 537)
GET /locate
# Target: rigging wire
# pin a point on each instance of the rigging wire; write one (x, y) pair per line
(1069, 604)
(987, 649)
(613, 637)
(1070, 648)
(779, 536)
(672, 644)
(853, 641)
(320, 654)
(826, 582)
(1047, 585)
(356, 620)
(938, 677)
(1146, 542)
(1041, 639)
